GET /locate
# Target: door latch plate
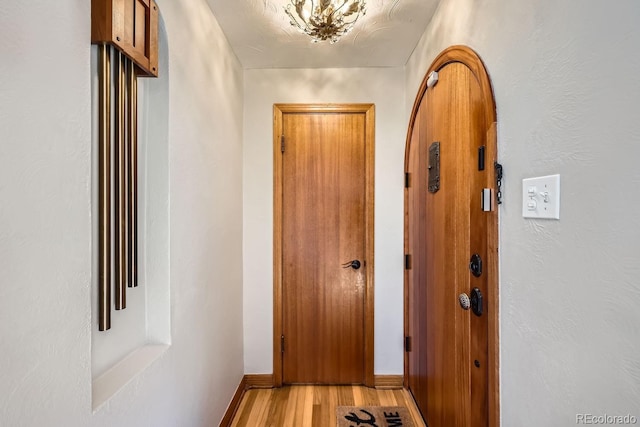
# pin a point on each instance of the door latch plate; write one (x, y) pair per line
(477, 305)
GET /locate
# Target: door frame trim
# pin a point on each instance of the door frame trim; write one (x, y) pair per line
(468, 57)
(278, 309)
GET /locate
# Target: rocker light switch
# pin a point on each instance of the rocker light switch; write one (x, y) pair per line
(541, 197)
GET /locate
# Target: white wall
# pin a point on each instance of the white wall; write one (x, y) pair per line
(263, 88)
(566, 76)
(45, 223)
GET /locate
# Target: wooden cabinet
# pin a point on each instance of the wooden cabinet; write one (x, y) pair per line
(131, 26)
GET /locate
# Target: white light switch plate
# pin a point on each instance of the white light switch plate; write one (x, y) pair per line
(541, 197)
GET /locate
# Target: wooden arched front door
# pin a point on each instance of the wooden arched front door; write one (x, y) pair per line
(451, 240)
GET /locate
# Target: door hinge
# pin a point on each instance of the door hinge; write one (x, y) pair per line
(407, 262)
(281, 343)
(481, 151)
(407, 344)
(282, 144)
(407, 179)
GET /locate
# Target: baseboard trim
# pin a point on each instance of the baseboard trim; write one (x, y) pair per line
(389, 382)
(259, 380)
(235, 403)
(247, 382)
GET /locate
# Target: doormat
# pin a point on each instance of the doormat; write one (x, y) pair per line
(373, 416)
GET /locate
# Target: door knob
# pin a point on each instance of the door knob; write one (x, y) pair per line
(355, 264)
(464, 300)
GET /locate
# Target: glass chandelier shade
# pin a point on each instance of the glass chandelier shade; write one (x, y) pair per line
(325, 19)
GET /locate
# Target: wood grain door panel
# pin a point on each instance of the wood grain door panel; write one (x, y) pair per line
(323, 227)
(449, 367)
(324, 221)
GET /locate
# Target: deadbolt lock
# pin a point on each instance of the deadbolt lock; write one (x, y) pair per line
(475, 265)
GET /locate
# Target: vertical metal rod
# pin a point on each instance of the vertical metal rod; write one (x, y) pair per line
(104, 187)
(125, 170)
(120, 189)
(132, 169)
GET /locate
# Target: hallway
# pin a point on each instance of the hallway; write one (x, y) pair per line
(569, 289)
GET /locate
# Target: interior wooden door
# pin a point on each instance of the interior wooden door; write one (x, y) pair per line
(450, 363)
(325, 264)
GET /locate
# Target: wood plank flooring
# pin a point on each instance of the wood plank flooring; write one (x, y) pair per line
(313, 406)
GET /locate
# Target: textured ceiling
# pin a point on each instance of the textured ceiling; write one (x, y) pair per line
(261, 36)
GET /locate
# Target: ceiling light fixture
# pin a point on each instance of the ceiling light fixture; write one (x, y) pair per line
(325, 19)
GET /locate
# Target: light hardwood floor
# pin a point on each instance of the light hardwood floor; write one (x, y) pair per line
(313, 406)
